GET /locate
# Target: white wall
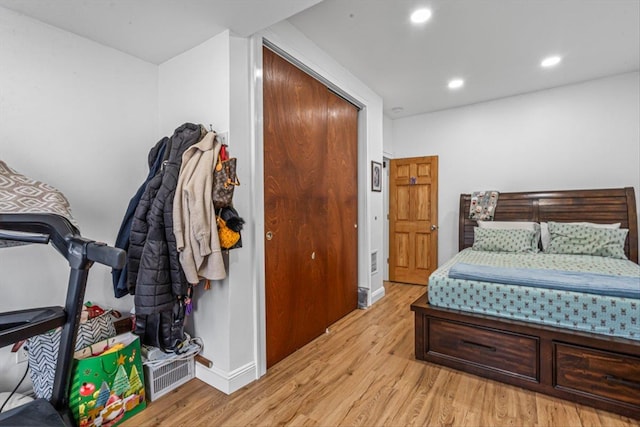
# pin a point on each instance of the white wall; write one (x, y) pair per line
(242, 282)
(209, 84)
(573, 137)
(388, 146)
(81, 117)
(194, 87)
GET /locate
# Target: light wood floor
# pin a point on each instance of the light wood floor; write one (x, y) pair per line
(363, 372)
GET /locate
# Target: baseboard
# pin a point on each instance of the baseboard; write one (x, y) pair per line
(377, 295)
(227, 382)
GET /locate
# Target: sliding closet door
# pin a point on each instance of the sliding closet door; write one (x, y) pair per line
(342, 199)
(311, 199)
(295, 114)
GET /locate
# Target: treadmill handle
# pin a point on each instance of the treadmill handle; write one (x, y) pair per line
(20, 236)
(107, 255)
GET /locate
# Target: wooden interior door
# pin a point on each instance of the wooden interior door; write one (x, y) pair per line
(294, 155)
(310, 192)
(413, 219)
(342, 200)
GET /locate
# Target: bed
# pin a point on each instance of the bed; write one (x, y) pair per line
(595, 366)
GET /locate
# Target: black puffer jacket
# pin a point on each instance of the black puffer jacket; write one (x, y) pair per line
(121, 277)
(155, 275)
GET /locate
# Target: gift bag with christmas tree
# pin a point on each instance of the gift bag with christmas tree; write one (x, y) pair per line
(108, 383)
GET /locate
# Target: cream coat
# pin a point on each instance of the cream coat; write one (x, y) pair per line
(194, 217)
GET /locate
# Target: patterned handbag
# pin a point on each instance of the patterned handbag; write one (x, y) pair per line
(224, 182)
(43, 350)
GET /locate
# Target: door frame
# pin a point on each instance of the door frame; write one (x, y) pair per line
(385, 193)
(274, 42)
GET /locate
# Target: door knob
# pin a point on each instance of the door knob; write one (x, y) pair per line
(269, 235)
(434, 227)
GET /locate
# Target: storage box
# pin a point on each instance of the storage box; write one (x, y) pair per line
(161, 378)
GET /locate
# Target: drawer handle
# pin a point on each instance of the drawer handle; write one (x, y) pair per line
(615, 379)
(477, 345)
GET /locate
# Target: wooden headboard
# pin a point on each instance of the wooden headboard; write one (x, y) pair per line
(601, 206)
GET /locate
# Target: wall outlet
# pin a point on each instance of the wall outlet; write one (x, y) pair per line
(21, 355)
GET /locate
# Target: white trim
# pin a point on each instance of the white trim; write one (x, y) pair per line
(227, 382)
(385, 217)
(377, 295)
(257, 190)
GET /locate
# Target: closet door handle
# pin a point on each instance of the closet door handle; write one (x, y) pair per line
(269, 235)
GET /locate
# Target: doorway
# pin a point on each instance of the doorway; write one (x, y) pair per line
(413, 219)
(311, 206)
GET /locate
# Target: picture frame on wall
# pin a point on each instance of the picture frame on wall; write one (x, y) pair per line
(376, 176)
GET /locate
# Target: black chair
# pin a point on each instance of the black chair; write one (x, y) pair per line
(15, 326)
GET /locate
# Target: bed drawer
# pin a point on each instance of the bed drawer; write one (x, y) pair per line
(507, 353)
(596, 372)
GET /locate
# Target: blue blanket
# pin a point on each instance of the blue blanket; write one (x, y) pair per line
(592, 283)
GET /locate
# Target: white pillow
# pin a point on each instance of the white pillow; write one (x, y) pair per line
(509, 225)
(515, 225)
(545, 236)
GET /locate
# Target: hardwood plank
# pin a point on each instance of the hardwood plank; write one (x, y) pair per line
(363, 373)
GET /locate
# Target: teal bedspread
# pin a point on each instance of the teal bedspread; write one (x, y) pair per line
(577, 310)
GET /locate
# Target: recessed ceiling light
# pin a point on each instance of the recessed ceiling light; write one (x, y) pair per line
(456, 83)
(397, 110)
(551, 61)
(420, 16)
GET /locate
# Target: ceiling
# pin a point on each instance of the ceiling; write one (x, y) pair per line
(157, 30)
(495, 45)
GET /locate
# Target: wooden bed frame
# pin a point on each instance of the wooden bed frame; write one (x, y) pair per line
(595, 370)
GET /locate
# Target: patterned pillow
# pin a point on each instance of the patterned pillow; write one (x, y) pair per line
(585, 240)
(545, 237)
(504, 240)
(524, 225)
